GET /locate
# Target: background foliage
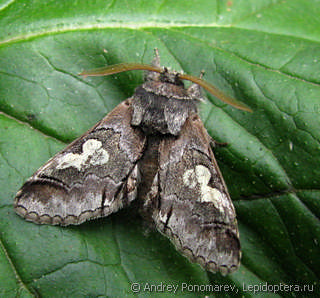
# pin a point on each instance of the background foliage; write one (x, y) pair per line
(263, 52)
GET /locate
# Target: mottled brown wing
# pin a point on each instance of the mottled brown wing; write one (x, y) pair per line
(93, 177)
(195, 210)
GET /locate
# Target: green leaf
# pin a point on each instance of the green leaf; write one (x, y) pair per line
(265, 53)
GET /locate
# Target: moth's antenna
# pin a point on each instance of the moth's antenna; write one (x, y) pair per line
(117, 68)
(215, 92)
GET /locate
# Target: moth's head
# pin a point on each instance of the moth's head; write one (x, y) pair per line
(171, 77)
(169, 84)
(164, 76)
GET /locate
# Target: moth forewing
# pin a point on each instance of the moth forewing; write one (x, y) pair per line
(93, 177)
(153, 148)
(196, 211)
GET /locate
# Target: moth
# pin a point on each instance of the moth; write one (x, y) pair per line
(152, 148)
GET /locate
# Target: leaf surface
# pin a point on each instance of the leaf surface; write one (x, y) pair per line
(264, 53)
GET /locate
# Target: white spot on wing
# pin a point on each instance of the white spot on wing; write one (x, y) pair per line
(201, 176)
(189, 178)
(92, 155)
(163, 216)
